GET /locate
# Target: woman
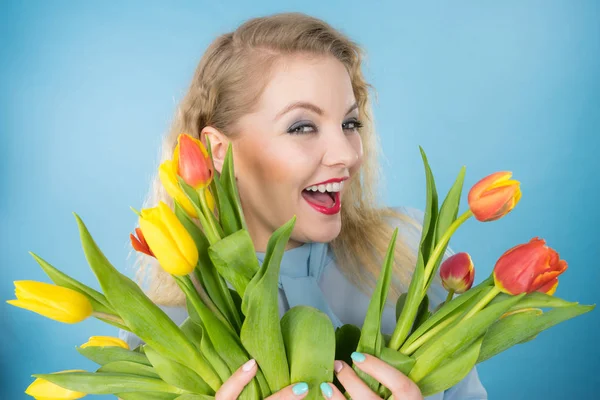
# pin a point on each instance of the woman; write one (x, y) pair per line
(288, 92)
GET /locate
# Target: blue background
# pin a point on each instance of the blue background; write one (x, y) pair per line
(87, 90)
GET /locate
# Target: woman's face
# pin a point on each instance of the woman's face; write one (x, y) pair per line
(303, 134)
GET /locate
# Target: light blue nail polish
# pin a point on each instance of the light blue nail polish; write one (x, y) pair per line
(327, 390)
(300, 388)
(358, 357)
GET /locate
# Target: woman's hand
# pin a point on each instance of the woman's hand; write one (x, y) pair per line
(398, 383)
(231, 389)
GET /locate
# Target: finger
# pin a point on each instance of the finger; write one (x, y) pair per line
(292, 392)
(331, 392)
(399, 384)
(352, 383)
(231, 389)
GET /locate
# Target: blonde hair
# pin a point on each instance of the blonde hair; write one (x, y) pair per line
(227, 84)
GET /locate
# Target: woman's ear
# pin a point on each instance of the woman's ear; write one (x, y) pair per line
(218, 145)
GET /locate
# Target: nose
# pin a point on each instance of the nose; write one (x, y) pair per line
(339, 149)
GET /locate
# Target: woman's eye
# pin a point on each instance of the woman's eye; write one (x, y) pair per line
(354, 125)
(300, 129)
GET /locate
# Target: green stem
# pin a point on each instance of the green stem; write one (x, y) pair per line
(200, 298)
(427, 335)
(450, 295)
(441, 245)
(482, 303)
(209, 217)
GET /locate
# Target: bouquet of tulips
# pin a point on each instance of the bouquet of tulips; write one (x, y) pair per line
(232, 301)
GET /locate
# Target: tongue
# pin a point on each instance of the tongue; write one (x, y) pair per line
(322, 199)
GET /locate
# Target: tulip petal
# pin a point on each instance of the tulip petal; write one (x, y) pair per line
(494, 196)
(105, 341)
(167, 173)
(194, 165)
(184, 242)
(41, 389)
(52, 301)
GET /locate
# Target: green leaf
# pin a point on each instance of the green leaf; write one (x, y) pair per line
(148, 396)
(177, 374)
(309, 340)
(460, 335)
(346, 341)
(400, 304)
(99, 302)
(195, 333)
(235, 258)
(230, 187)
(457, 305)
(371, 340)
(142, 316)
(192, 396)
(451, 371)
(105, 354)
(422, 313)
(519, 327)
(447, 216)
(261, 307)
(401, 362)
(431, 212)
(535, 300)
(107, 383)
(129, 367)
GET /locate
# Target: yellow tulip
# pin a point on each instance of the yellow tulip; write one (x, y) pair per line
(105, 341)
(42, 389)
(167, 172)
(52, 301)
(170, 242)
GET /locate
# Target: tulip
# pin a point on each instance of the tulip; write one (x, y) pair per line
(170, 242)
(494, 196)
(528, 268)
(139, 243)
(44, 390)
(457, 273)
(167, 172)
(105, 341)
(193, 162)
(55, 302)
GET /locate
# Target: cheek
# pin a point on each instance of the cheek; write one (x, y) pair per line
(356, 143)
(274, 163)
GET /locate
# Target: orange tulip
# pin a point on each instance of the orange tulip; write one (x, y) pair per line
(529, 267)
(494, 196)
(457, 273)
(139, 243)
(193, 162)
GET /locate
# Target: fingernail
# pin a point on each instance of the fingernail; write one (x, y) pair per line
(249, 365)
(327, 390)
(358, 357)
(300, 388)
(337, 366)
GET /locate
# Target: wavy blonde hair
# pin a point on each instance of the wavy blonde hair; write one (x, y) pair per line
(227, 84)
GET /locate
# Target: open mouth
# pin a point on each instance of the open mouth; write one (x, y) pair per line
(325, 199)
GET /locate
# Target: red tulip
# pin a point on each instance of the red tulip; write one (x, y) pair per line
(193, 162)
(139, 243)
(529, 267)
(457, 273)
(494, 196)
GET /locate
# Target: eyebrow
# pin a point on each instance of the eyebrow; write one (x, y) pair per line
(309, 106)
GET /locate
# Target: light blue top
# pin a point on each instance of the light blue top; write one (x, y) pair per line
(309, 276)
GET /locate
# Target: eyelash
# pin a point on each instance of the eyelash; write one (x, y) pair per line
(357, 125)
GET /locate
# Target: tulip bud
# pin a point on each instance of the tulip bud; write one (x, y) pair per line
(528, 267)
(139, 243)
(170, 242)
(43, 389)
(494, 196)
(457, 273)
(55, 302)
(167, 172)
(193, 162)
(105, 341)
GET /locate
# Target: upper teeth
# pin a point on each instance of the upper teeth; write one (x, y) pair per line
(330, 187)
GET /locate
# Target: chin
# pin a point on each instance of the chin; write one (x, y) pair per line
(323, 235)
